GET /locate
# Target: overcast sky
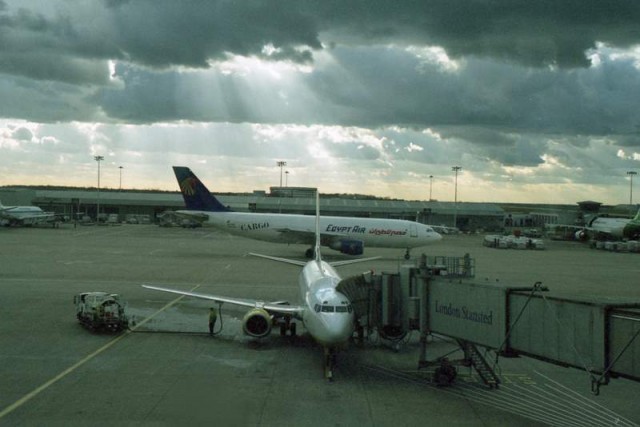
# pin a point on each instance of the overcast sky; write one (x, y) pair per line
(537, 101)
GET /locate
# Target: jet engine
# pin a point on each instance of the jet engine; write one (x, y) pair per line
(349, 247)
(581, 235)
(257, 323)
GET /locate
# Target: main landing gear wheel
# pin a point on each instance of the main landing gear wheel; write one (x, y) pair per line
(288, 326)
(309, 253)
(445, 374)
(407, 255)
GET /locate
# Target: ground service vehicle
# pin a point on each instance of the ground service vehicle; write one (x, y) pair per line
(101, 311)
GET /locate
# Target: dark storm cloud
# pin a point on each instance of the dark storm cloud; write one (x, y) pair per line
(522, 80)
(155, 34)
(629, 140)
(44, 101)
(191, 33)
(535, 33)
(483, 102)
(37, 47)
(597, 101)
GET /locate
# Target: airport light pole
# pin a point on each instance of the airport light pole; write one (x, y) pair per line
(98, 159)
(631, 174)
(120, 167)
(456, 169)
(430, 187)
(286, 178)
(281, 164)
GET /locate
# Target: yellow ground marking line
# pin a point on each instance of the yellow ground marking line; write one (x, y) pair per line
(69, 370)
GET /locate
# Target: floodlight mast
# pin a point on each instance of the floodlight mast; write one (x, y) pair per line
(98, 159)
(430, 187)
(281, 164)
(456, 169)
(631, 174)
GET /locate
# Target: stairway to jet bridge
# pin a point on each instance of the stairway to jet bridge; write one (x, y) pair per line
(439, 295)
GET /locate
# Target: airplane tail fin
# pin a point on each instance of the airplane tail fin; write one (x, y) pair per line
(196, 196)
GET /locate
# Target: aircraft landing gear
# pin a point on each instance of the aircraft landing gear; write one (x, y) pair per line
(309, 253)
(407, 255)
(329, 362)
(287, 325)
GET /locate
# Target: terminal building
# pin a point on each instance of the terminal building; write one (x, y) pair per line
(468, 217)
(78, 203)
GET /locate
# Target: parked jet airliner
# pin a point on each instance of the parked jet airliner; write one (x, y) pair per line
(611, 227)
(326, 313)
(25, 215)
(348, 235)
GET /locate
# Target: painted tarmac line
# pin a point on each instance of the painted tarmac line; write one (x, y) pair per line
(69, 370)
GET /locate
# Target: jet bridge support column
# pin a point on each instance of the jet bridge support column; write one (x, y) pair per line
(422, 285)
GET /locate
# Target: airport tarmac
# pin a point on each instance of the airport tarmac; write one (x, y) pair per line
(168, 371)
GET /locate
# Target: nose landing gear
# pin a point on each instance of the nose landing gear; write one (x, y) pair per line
(329, 362)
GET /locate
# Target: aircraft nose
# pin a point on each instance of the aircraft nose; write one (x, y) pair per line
(340, 327)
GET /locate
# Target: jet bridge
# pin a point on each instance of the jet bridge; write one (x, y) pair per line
(440, 296)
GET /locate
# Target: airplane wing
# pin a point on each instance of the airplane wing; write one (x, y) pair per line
(285, 260)
(271, 307)
(352, 261)
(303, 263)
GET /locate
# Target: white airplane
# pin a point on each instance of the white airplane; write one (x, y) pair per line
(25, 215)
(348, 235)
(611, 227)
(326, 313)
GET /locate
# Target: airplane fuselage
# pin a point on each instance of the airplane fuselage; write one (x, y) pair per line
(616, 227)
(373, 232)
(328, 314)
(27, 215)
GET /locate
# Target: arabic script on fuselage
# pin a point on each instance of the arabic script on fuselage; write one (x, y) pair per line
(356, 229)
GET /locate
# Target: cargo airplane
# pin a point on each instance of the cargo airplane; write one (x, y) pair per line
(25, 215)
(349, 235)
(326, 312)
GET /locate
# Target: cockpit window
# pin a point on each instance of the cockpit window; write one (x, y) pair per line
(345, 307)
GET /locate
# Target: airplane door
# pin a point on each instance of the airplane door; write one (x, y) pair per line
(413, 229)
